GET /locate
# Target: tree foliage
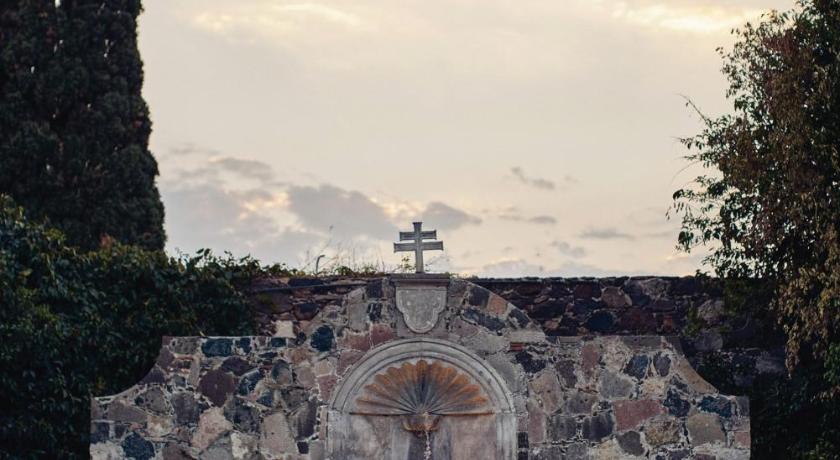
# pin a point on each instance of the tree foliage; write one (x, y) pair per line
(770, 204)
(74, 128)
(74, 324)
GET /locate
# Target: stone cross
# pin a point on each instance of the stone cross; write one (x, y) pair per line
(417, 244)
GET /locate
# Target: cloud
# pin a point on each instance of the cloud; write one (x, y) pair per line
(566, 249)
(248, 20)
(536, 182)
(441, 215)
(247, 169)
(512, 214)
(542, 183)
(207, 216)
(664, 234)
(605, 233)
(188, 149)
(509, 268)
(575, 269)
(346, 213)
(685, 16)
(543, 220)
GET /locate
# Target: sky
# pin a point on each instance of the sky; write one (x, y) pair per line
(538, 137)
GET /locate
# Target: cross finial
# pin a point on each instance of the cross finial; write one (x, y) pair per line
(417, 244)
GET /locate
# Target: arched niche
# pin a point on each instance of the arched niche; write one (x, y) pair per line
(481, 424)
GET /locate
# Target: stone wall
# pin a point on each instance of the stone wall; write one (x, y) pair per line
(726, 348)
(319, 385)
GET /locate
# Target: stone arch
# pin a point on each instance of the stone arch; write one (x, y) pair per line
(398, 351)
(343, 435)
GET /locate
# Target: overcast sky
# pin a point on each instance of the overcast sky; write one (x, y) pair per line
(538, 137)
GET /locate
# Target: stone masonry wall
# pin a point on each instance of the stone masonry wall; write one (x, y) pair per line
(722, 346)
(274, 397)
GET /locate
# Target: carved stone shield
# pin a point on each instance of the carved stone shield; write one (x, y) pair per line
(421, 306)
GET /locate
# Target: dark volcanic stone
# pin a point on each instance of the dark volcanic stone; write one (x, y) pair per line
(186, 408)
(266, 399)
(137, 448)
(597, 427)
(244, 344)
(685, 286)
(153, 400)
(236, 365)
(529, 363)
(675, 455)
(303, 420)
(662, 364)
(631, 442)
(217, 385)
(548, 310)
(490, 322)
(217, 347)
(637, 367)
(293, 397)
(717, 404)
(662, 305)
(478, 296)
(303, 447)
(636, 293)
(300, 282)
(581, 307)
(373, 290)
(522, 440)
(600, 321)
(173, 451)
(243, 416)
(278, 342)
(282, 373)
(561, 427)
(306, 310)
(375, 311)
(322, 339)
(100, 432)
(566, 371)
(519, 317)
(587, 290)
(249, 381)
(638, 320)
(549, 453)
(676, 405)
(155, 375)
(580, 403)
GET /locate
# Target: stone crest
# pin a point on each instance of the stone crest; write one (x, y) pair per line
(421, 306)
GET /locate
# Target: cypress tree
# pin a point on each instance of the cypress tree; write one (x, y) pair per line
(74, 128)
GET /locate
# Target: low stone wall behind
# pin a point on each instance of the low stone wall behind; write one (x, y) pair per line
(727, 349)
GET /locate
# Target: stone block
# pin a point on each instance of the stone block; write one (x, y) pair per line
(284, 329)
(662, 431)
(276, 438)
(629, 414)
(597, 427)
(704, 428)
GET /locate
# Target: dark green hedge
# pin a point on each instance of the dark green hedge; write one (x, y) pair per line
(77, 324)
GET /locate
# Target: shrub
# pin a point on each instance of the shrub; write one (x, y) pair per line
(78, 324)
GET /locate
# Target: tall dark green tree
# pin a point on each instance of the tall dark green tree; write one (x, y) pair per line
(74, 128)
(770, 208)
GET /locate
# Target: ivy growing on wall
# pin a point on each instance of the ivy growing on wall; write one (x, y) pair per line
(75, 324)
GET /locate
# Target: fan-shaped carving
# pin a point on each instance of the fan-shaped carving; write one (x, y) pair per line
(422, 389)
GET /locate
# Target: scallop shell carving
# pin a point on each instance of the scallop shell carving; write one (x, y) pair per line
(423, 389)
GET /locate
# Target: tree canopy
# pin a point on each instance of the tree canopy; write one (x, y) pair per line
(74, 128)
(769, 204)
(77, 324)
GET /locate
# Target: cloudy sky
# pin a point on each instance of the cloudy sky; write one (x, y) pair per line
(538, 137)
